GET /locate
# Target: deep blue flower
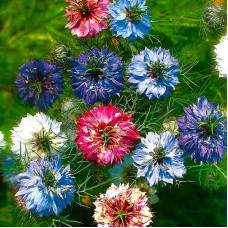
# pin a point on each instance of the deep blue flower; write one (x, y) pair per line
(40, 83)
(154, 73)
(158, 158)
(130, 19)
(203, 131)
(97, 75)
(46, 189)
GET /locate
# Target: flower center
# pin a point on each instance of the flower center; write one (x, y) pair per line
(36, 87)
(43, 143)
(135, 13)
(159, 153)
(95, 72)
(208, 128)
(84, 9)
(106, 135)
(155, 69)
(49, 179)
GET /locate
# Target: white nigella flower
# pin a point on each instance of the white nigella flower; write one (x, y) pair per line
(37, 137)
(2, 141)
(221, 56)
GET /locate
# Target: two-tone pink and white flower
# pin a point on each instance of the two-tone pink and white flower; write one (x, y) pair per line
(122, 207)
(86, 18)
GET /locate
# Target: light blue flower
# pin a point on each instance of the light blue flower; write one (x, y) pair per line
(158, 158)
(46, 189)
(129, 19)
(154, 72)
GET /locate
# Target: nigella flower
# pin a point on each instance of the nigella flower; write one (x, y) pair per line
(203, 131)
(2, 141)
(154, 72)
(130, 19)
(122, 207)
(97, 75)
(106, 134)
(86, 18)
(37, 136)
(40, 83)
(46, 188)
(158, 158)
(221, 57)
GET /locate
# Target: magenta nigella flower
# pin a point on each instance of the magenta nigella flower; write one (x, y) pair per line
(86, 18)
(40, 83)
(122, 207)
(203, 131)
(105, 135)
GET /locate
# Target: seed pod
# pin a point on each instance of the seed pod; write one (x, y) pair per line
(59, 55)
(215, 17)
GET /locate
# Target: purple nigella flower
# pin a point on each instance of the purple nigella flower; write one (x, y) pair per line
(46, 189)
(97, 75)
(154, 73)
(40, 83)
(203, 131)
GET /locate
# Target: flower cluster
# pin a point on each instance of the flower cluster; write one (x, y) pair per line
(129, 19)
(122, 207)
(106, 134)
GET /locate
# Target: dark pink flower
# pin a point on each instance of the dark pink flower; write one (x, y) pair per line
(86, 18)
(106, 134)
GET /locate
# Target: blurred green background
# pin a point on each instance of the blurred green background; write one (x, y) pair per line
(29, 29)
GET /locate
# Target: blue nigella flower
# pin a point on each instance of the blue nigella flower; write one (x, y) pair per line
(203, 131)
(130, 19)
(154, 73)
(158, 158)
(97, 75)
(40, 83)
(46, 189)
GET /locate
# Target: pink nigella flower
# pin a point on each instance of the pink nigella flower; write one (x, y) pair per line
(122, 207)
(106, 135)
(86, 18)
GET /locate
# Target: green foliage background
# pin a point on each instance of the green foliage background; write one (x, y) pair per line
(29, 29)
